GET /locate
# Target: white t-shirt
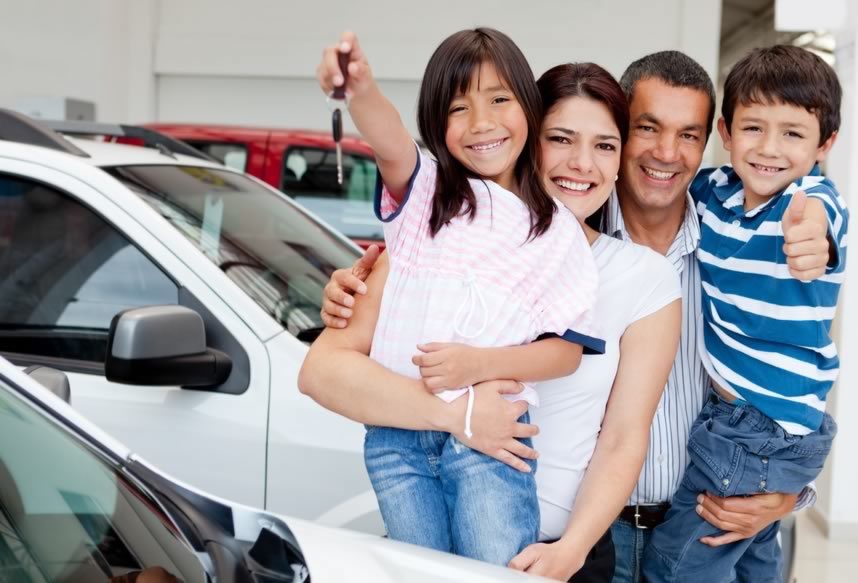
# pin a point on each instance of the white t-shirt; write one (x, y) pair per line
(634, 282)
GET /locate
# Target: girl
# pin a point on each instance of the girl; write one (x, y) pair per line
(452, 229)
(594, 425)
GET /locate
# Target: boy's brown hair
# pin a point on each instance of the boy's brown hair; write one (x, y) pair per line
(785, 74)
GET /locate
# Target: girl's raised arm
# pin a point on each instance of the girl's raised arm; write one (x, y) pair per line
(373, 114)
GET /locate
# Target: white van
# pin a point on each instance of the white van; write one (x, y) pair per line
(217, 278)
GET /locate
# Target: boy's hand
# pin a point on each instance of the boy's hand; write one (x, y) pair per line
(338, 298)
(806, 243)
(328, 72)
(448, 365)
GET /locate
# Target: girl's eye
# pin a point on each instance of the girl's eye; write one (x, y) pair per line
(457, 108)
(500, 99)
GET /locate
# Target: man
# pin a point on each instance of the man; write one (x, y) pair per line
(672, 107)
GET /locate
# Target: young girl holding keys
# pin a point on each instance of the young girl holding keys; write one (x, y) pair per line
(453, 228)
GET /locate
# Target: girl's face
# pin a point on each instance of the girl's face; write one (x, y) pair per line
(487, 128)
(580, 154)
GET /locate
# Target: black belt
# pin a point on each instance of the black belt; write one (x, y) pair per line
(645, 516)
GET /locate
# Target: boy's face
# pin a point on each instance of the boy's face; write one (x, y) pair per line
(772, 145)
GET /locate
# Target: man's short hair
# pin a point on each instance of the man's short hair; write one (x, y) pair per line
(785, 74)
(675, 69)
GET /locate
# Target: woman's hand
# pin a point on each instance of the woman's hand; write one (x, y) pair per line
(553, 560)
(359, 77)
(495, 425)
(449, 365)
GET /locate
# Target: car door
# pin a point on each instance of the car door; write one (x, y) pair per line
(72, 256)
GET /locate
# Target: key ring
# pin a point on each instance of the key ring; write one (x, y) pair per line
(330, 101)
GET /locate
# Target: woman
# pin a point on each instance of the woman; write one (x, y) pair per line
(593, 424)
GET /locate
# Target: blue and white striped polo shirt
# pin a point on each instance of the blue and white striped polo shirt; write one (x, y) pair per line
(766, 335)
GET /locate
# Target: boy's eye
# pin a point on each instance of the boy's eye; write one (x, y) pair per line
(794, 135)
(751, 129)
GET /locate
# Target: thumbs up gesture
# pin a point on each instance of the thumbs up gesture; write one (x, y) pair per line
(806, 243)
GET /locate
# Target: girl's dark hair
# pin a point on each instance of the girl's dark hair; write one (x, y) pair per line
(448, 74)
(593, 82)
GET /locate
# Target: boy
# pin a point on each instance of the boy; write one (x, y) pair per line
(766, 343)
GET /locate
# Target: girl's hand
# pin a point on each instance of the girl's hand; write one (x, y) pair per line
(360, 79)
(448, 365)
(553, 560)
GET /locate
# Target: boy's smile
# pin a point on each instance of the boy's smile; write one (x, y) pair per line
(771, 145)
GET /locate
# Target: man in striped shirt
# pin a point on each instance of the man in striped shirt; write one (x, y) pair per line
(766, 343)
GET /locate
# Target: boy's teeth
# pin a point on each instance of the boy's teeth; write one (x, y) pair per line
(658, 175)
(766, 168)
(569, 185)
(487, 146)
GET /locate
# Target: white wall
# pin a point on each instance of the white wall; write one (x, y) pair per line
(254, 61)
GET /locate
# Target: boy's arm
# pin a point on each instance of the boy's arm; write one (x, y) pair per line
(372, 113)
(809, 244)
(452, 366)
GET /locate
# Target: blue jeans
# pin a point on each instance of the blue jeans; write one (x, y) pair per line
(734, 450)
(435, 492)
(629, 545)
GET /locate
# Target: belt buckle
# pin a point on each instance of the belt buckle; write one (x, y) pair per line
(637, 519)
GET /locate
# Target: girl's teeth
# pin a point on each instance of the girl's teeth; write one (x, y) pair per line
(482, 147)
(580, 186)
(658, 175)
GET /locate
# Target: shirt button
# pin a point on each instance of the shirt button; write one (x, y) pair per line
(736, 223)
(725, 482)
(762, 484)
(765, 460)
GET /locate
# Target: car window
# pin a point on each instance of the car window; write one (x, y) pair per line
(68, 514)
(310, 177)
(64, 273)
(229, 154)
(313, 172)
(272, 250)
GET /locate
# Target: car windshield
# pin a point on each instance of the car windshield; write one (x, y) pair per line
(275, 252)
(68, 514)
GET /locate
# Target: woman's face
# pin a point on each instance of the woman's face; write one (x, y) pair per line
(580, 154)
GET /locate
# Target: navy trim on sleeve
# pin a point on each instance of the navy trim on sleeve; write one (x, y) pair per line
(379, 188)
(591, 345)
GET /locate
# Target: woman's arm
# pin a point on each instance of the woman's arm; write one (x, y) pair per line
(338, 374)
(453, 366)
(372, 113)
(647, 351)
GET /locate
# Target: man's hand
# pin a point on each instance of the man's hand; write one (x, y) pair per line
(742, 517)
(494, 424)
(806, 243)
(338, 298)
(448, 365)
(553, 560)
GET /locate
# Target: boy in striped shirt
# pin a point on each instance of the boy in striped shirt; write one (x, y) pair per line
(766, 342)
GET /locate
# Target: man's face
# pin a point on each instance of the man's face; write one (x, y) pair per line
(665, 145)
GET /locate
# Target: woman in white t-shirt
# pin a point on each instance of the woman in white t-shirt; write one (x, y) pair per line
(594, 424)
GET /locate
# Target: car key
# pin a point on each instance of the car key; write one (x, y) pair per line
(339, 94)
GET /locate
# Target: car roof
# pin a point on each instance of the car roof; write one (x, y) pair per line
(104, 154)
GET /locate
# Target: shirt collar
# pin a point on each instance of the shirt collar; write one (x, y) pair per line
(685, 242)
(730, 193)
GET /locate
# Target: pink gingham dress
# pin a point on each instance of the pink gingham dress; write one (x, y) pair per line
(481, 283)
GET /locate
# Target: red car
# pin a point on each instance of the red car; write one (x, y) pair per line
(301, 163)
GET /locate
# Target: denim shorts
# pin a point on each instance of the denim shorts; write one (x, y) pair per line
(436, 492)
(734, 450)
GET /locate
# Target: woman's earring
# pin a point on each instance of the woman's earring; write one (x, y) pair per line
(617, 177)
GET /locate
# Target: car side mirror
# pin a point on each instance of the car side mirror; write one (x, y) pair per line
(163, 345)
(52, 379)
